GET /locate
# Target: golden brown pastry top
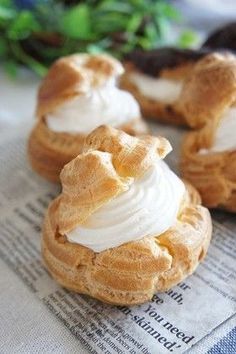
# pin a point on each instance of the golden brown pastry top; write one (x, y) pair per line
(209, 89)
(74, 75)
(109, 162)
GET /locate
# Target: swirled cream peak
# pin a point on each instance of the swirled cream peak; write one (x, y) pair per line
(104, 105)
(88, 96)
(225, 138)
(110, 161)
(148, 208)
(161, 89)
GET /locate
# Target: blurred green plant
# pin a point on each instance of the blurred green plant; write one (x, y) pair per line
(187, 38)
(35, 33)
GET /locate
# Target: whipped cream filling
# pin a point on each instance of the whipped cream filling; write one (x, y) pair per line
(148, 208)
(160, 89)
(103, 105)
(225, 138)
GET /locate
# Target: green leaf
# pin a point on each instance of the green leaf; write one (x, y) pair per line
(76, 22)
(163, 26)
(167, 10)
(145, 43)
(113, 26)
(187, 39)
(94, 49)
(23, 26)
(6, 13)
(140, 4)
(103, 44)
(27, 60)
(134, 23)
(110, 23)
(128, 47)
(6, 3)
(3, 47)
(151, 32)
(114, 6)
(11, 67)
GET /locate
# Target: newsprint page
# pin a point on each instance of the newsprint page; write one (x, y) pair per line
(172, 322)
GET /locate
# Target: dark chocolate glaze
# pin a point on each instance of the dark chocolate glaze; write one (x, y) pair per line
(224, 37)
(152, 62)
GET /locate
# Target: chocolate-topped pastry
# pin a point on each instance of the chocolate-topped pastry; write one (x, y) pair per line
(223, 37)
(161, 80)
(152, 62)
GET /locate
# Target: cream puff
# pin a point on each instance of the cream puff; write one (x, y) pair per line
(209, 155)
(163, 81)
(208, 161)
(124, 226)
(78, 94)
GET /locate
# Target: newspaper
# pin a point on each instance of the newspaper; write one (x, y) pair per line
(172, 322)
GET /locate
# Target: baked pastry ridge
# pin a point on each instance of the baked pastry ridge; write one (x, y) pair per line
(192, 87)
(77, 95)
(129, 272)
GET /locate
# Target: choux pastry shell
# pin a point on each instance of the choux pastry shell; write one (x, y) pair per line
(132, 272)
(68, 78)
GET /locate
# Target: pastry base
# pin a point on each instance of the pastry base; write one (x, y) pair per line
(49, 151)
(130, 274)
(213, 174)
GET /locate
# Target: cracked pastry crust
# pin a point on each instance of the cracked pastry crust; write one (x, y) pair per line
(213, 174)
(74, 75)
(49, 151)
(131, 273)
(68, 77)
(209, 85)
